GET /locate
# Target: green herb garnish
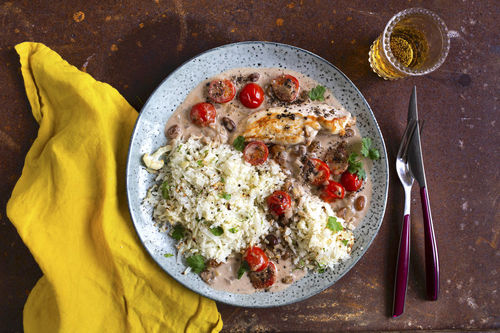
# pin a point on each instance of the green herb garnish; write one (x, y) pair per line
(345, 241)
(196, 262)
(300, 264)
(222, 180)
(374, 154)
(178, 232)
(200, 163)
(168, 255)
(233, 230)
(217, 231)
(366, 151)
(333, 224)
(320, 268)
(239, 143)
(316, 93)
(243, 268)
(225, 195)
(355, 166)
(164, 188)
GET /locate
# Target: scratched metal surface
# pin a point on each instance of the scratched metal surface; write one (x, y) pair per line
(135, 44)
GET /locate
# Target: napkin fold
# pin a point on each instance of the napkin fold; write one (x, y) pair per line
(70, 209)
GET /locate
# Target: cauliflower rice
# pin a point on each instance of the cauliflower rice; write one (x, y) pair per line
(210, 187)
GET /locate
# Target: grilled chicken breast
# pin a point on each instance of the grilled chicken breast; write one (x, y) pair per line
(296, 124)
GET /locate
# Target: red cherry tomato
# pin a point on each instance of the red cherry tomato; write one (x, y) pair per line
(286, 87)
(203, 114)
(318, 171)
(221, 91)
(332, 191)
(279, 202)
(256, 258)
(265, 278)
(351, 181)
(255, 152)
(252, 95)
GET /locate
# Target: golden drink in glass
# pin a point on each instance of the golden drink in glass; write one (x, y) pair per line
(414, 42)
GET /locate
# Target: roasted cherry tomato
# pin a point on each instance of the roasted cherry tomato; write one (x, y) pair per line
(279, 202)
(252, 95)
(203, 114)
(332, 191)
(286, 87)
(221, 91)
(351, 181)
(317, 172)
(264, 278)
(255, 152)
(256, 258)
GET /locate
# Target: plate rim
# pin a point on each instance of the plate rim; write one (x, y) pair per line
(365, 102)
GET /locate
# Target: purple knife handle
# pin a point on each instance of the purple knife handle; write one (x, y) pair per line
(402, 269)
(431, 252)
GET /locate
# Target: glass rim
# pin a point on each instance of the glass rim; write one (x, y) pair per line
(392, 23)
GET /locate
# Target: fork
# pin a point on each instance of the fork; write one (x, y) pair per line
(406, 179)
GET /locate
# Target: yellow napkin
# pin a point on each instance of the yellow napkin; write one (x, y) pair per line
(70, 208)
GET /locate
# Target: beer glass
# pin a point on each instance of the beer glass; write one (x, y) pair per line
(415, 41)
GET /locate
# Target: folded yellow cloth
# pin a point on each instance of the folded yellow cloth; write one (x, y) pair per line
(70, 209)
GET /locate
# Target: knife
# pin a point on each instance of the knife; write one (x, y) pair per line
(416, 163)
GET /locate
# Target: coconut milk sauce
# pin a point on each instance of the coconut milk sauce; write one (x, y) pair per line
(225, 276)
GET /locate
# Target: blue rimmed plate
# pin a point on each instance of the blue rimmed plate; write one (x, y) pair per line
(148, 136)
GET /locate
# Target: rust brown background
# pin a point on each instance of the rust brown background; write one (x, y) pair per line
(134, 44)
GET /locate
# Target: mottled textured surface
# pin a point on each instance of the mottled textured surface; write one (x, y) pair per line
(135, 44)
(148, 136)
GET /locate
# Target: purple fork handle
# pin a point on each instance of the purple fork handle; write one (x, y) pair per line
(431, 252)
(401, 282)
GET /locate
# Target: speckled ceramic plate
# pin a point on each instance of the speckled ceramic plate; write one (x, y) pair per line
(148, 136)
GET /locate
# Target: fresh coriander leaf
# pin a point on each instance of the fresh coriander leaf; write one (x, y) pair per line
(196, 262)
(345, 241)
(239, 143)
(168, 255)
(178, 232)
(243, 268)
(316, 93)
(320, 268)
(233, 230)
(361, 173)
(164, 188)
(355, 166)
(374, 154)
(334, 225)
(222, 180)
(225, 195)
(217, 231)
(200, 163)
(352, 158)
(366, 143)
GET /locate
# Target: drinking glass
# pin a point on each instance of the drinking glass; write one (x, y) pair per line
(414, 42)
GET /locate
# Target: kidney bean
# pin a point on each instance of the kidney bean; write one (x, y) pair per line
(272, 240)
(228, 124)
(173, 132)
(359, 203)
(254, 77)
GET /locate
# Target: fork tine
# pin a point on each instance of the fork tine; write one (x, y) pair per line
(405, 141)
(407, 145)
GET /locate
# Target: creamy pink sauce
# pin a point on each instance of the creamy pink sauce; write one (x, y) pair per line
(225, 276)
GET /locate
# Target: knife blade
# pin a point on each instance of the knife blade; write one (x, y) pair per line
(416, 163)
(415, 150)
